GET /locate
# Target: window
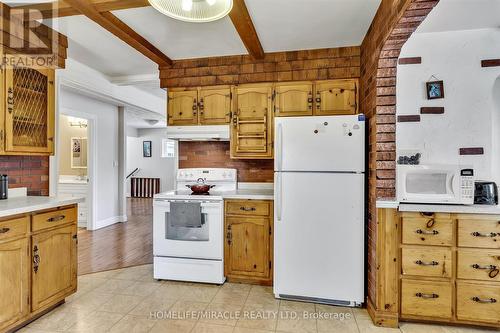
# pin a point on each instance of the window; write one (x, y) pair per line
(167, 148)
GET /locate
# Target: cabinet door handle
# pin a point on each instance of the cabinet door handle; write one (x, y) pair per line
(425, 232)
(248, 209)
(483, 300)
(229, 235)
(36, 259)
(423, 263)
(477, 266)
(422, 295)
(10, 100)
(4, 230)
(478, 234)
(56, 218)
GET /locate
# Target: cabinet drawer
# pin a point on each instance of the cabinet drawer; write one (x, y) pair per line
(248, 207)
(479, 265)
(479, 233)
(427, 261)
(54, 218)
(432, 230)
(14, 228)
(477, 302)
(426, 298)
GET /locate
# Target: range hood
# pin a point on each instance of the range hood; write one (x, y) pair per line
(198, 133)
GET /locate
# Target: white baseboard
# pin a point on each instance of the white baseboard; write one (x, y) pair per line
(123, 218)
(107, 222)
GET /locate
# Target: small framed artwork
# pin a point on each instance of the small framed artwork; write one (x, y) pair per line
(146, 149)
(435, 89)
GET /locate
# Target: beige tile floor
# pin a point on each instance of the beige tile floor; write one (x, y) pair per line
(124, 301)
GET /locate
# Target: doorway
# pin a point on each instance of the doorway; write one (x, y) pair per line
(75, 154)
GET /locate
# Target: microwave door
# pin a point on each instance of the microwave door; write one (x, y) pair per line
(435, 187)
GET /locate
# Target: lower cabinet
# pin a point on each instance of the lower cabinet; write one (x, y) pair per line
(449, 265)
(14, 285)
(54, 265)
(248, 244)
(38, 268)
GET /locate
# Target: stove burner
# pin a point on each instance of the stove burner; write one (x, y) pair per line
(200, 193)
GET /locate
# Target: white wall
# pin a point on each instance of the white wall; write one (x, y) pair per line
(469, 121)
(106, 120)
(155, 166)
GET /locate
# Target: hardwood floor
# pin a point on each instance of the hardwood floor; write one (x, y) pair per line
(120, 245)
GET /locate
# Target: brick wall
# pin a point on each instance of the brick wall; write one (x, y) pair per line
(393, 24)
(216, 155)
(321, 64)
(27, 171)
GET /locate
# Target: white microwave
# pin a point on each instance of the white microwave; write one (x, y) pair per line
(435, 184)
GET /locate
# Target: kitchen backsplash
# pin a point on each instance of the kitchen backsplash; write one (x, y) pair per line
(214, 154)
(27, 171)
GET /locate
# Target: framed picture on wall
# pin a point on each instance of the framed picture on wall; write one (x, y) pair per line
(435, 89)
(146, 149)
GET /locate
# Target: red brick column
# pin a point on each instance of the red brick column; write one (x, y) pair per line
(392, 26)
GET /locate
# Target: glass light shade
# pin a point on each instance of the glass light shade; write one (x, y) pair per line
(193, 10)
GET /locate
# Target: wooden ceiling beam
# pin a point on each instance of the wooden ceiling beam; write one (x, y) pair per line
(121, 30)
(245, 28)
(62, 9)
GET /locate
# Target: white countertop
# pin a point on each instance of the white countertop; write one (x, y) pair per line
(387, 203)
(21, 205)
(461, 209)
(255, 194)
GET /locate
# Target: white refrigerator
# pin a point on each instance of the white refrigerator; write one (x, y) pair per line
(319, 223)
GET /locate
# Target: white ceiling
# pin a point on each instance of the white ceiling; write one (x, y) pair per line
(285, 25)
(282, 25)
(180, 40)
(139, 119)
(452, 15)
(95, 47)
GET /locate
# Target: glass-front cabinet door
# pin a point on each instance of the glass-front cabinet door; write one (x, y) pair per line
(29, 116)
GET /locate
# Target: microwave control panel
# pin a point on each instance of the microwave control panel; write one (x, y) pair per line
(467, 185)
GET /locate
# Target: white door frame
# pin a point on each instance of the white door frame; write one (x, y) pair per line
(92, 161)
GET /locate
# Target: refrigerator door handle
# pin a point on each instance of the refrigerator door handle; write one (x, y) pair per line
(279, 196)
(279, 154)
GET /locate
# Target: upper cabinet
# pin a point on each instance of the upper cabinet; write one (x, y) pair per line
(214, 105)
(28, 111)
(183, 107)
(336, 97)
(199, 106)
(293, 99)
(252, 124)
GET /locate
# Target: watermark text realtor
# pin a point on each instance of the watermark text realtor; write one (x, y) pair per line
(26, 42)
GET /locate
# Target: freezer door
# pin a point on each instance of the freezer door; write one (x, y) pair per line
(332, 143)
(319, 236)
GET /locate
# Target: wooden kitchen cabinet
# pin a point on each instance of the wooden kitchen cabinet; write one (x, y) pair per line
(199, 106)
(38, 268)
(336, 97)
(28, 111)
(252, 123)
(214, 105)
(448, 268)
(54, 265)
(183, 107)
(248, 249)
(14, 277)
(293, 99)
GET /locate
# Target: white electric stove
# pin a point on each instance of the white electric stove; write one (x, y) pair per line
(192, 253)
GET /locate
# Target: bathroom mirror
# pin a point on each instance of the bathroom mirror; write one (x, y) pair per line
(78, 153)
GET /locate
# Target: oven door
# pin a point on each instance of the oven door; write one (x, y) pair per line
(205, 242)
(425, 184)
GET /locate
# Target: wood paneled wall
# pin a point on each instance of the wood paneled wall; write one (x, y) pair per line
(322, 64)
(393, 24)
(213, 154)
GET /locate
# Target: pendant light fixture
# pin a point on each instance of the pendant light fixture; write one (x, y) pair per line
(193, 10)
